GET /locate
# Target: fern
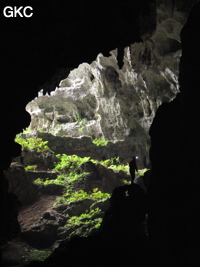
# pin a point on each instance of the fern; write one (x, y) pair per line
(31, 143)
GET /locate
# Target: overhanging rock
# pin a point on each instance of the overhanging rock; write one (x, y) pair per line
(101, 100)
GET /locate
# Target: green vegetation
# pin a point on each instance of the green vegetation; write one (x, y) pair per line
(63, 179)
(127, 182)
(121, 167)
(69, 171)
(96, 116)
(109, 162)
(113, 164)
(27, 130)
(86, 219)
(69, 163)
(73, 196)
(37, 255)
(141, 172)
(68, 167)
(31, 167)
(100, 142)
(82, 122)
(31, 143)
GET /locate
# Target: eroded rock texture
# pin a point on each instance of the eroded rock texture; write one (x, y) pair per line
(174, 188)
(33, 49)
(103, 99)
(34, 72)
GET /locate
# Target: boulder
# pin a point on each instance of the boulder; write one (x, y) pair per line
(103, 178)
(51, 189)
(20, 184)
(41, 235)
(78, 207)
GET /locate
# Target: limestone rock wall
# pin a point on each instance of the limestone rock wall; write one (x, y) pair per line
(103, 100)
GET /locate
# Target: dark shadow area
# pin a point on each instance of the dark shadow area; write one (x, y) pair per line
(174, 199)
(63, 35)
(59, 35)
(120, 241)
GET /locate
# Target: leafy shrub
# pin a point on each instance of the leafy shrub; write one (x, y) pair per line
(62, 179)
(141, 172)
(73, 196)
(69, 167)
(31, 167)
(49, 181)
(100, 142)
(69, 163)
(85, 218)
(110, 162)
(113, 164)
(99, 195)
(118, 168)
(32, 143)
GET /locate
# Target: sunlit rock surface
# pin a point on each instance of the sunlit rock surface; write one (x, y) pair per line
(102, 100)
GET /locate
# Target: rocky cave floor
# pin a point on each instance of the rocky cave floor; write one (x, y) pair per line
(17, 252)
(41, 234)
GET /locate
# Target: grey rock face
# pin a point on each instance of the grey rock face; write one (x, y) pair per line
(102, 100)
